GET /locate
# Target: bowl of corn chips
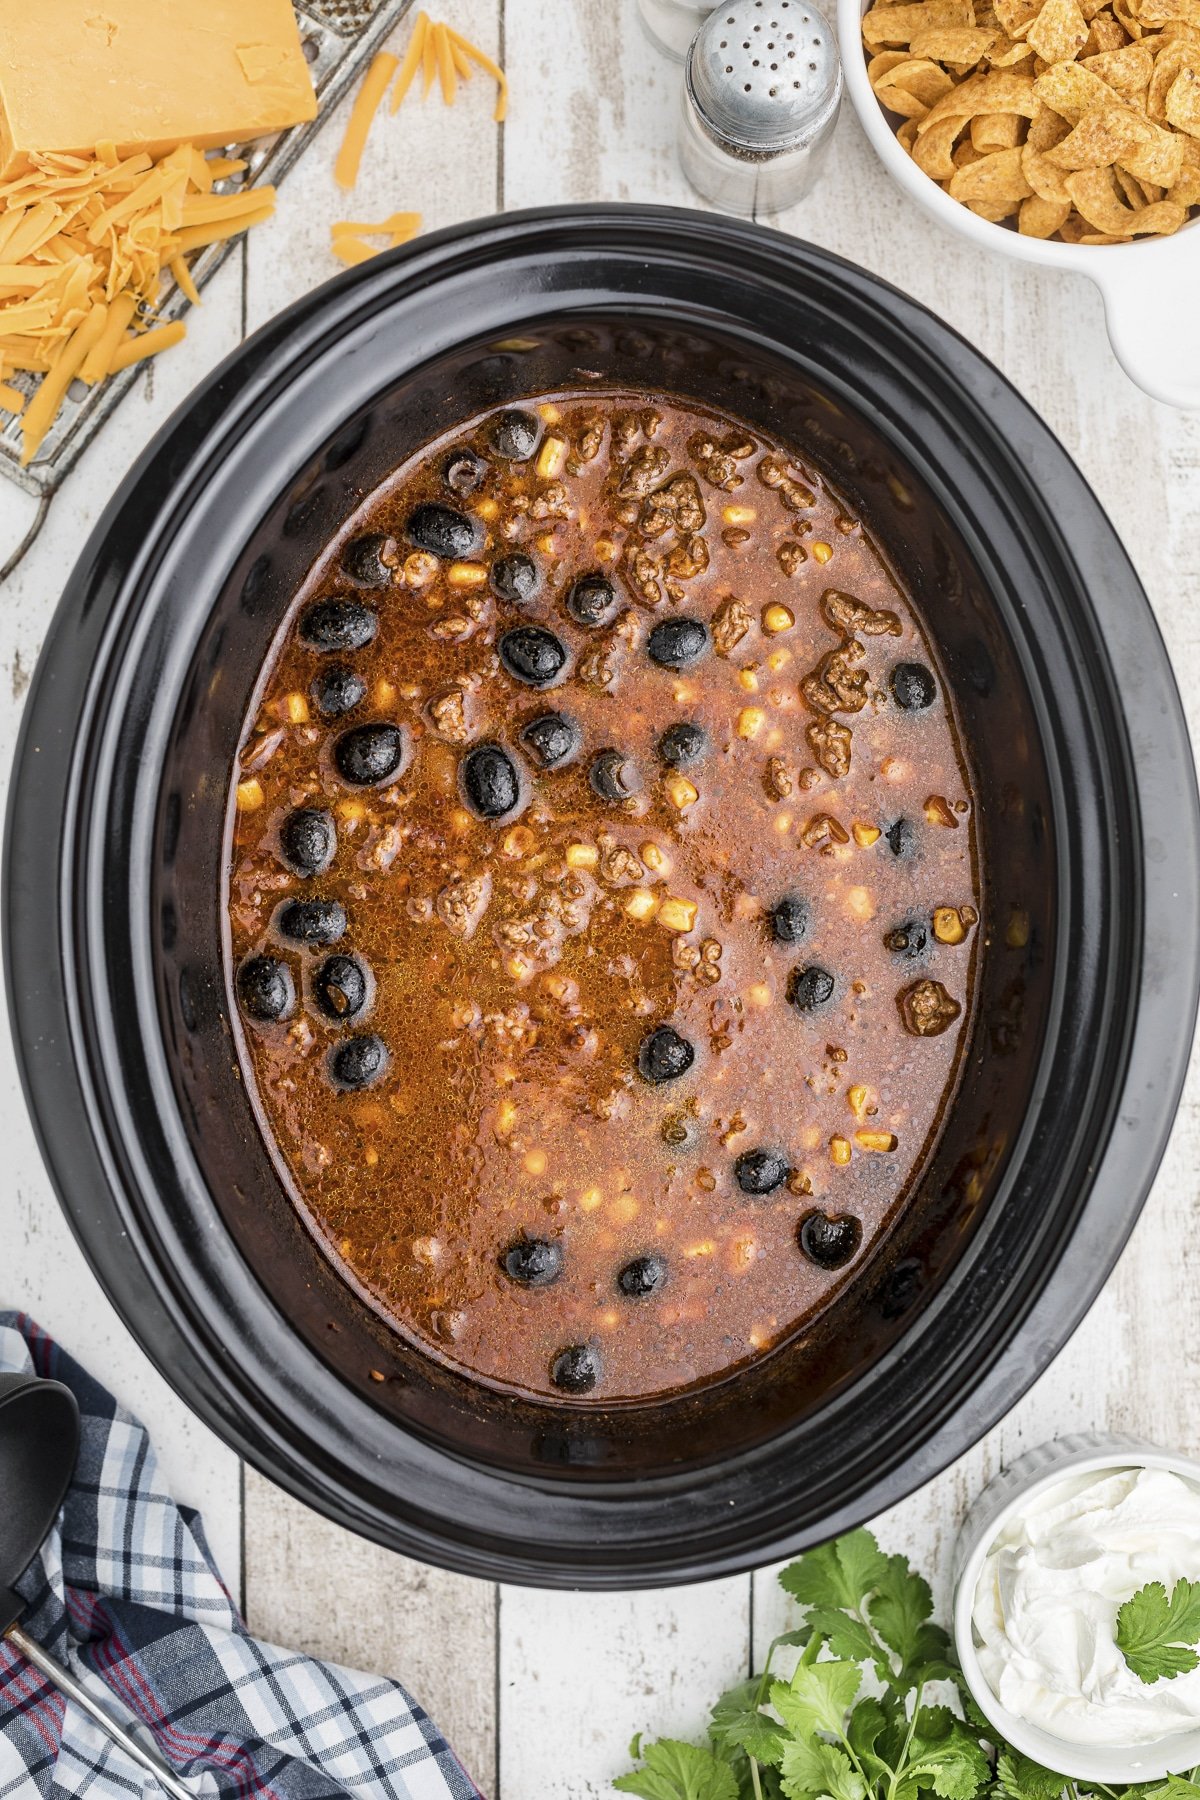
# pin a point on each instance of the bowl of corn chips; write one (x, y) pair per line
(1063, 132)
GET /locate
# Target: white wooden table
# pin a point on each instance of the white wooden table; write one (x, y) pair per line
(540, 1693)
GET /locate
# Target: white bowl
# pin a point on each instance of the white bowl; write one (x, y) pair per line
(1151, 288)
(1012, 1490)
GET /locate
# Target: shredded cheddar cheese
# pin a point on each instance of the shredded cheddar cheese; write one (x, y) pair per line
(348, 236)
(84, 243)
(376, 82)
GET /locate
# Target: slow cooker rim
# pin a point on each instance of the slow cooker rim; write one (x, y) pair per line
(689, 221)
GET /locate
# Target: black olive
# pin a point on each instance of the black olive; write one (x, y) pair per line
(683, 744)
(551, 739)
(312, 921)
(515, 578)
(678, 642)
(266, 989)
(760, 1171)
(337, 690)
(910, 940)
(913, 687)
(592, 600)
(534, 1262)
(809, 988)
(368, 754)
(680, 1130)
(359, 1062)
(365, 559)
(337, 625)
(443, 532)
(532, 654)
(576, 1369)
(613, 776)
(308, 839)
(340, 987)
(829, 1242)
(664, 1055)
(515, 435)
(643, 1276)
(789, 919)
(901, 837)
(463, 471)
(490, 781)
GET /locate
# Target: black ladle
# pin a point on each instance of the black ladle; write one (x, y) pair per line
(39, 1442)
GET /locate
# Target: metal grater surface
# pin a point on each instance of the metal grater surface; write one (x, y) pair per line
(339, 37)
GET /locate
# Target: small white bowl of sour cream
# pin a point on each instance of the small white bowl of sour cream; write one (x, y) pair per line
(1046, 1556)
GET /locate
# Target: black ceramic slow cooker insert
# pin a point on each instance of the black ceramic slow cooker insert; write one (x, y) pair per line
(1088, 820)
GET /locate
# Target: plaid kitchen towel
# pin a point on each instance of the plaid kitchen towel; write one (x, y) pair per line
(126, 1594)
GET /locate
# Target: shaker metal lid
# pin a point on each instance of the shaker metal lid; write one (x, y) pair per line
(764, 74)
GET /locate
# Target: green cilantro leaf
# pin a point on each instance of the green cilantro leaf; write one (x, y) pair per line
(1155, 1634)
(811, 1767)
(737, 1724)
(848, 1637)
(1018, 1777)
(818, 1697)
(837, 1574)
(900, 1613)
(675, 1771)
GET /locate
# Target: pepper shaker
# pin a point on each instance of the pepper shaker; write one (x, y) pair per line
(762, 88)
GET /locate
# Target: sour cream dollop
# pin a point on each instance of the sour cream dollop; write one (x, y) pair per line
(1046, 1605)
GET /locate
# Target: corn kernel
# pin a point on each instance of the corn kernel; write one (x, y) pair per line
(704, 1248)
(810, 1137)
(759, 994)
(758, 1337)
(590, 1199)
(641, 904)
(517, 842)
(779, 659)
(749, 680)
(519, 968)
(549, 412)
(624, 1209)
(605, 549)
(839, 1150)
(750, 721)
(461, 820)
(506, 1118)
(681, 792)
(860, 1099)
(420, 568)
(859, 903)
(384, 695)
(742, 1253)
(534, 1162)
(467, 574)
(546, 543)
(739, 515)
(551, 457)
(677, 915)
(249, 795)
(783, 823)
(939, 812)
(777, 618)
(880, 1141)
(370, 1156)
(1017, 934)
(297, 709)
(353, 812)
(655, 858)
(948, 927)
(487, 508)
(865, 835)
(822, 551)
(582, 856)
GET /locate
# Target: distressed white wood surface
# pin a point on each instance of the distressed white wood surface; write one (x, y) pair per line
(540, 1693)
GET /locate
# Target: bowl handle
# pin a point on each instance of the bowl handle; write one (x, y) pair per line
(1152, 308)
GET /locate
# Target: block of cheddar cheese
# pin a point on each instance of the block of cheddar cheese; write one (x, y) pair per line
(146, 75)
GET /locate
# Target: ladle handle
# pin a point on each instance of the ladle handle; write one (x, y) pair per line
(74, 1690)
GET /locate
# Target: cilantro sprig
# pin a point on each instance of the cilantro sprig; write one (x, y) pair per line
(1156, 1634)
(855, 1719)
